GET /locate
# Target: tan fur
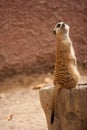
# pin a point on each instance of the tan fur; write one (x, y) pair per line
(66, 74)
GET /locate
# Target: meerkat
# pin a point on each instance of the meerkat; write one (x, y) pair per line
(66, 74)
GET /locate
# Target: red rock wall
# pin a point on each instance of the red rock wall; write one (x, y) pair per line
(26, 39)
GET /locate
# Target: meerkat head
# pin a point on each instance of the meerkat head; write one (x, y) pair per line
(61, 29)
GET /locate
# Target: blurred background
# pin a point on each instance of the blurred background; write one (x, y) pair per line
(27, 43)
(27, 55)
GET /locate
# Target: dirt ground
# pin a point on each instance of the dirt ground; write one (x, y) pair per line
(20, 107)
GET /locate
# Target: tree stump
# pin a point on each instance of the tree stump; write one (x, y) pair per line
(71, 108)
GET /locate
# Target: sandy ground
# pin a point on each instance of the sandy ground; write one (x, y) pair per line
(20, 107)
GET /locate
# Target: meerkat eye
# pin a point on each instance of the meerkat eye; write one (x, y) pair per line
(58, 25)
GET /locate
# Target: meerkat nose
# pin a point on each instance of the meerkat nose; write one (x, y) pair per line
(63, 25)
(54, 32)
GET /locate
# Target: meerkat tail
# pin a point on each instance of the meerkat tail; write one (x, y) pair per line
(55, 93)
(52, 117)
(53, 105)
(82, 84)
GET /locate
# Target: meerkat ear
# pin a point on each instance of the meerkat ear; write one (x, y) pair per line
(54, 32)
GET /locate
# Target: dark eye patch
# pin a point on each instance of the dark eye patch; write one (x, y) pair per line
(58, 25)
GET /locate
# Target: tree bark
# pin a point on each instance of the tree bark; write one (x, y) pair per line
(71, 108)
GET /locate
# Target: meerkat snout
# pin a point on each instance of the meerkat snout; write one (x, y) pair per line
(63, 25)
